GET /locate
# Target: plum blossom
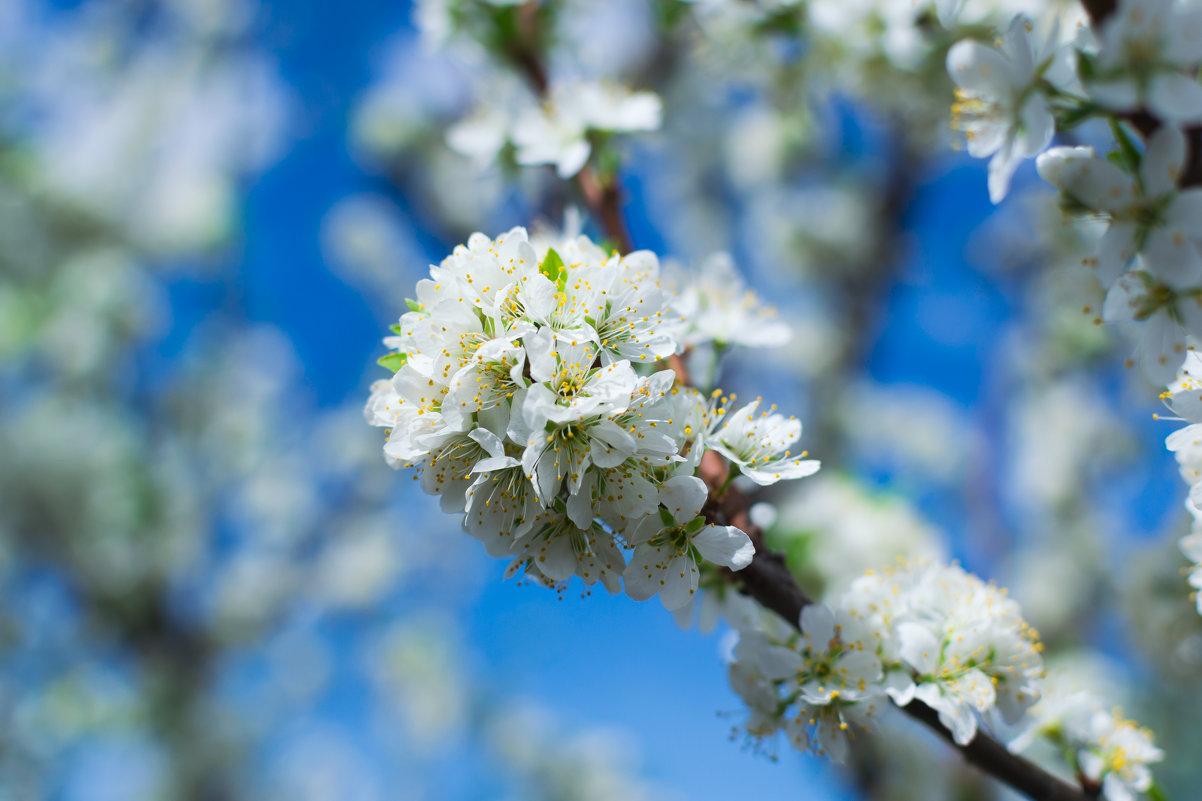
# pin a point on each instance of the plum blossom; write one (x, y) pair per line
(1146, 51)
(759, 444)
(525, 391)
(1001, 105)
(669, 545)
(557, 132)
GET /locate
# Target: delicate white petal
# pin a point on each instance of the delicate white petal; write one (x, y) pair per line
(725, 545)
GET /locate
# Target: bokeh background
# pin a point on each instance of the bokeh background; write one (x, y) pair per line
(214, 588)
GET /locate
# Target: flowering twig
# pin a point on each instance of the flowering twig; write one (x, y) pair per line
(603, 198)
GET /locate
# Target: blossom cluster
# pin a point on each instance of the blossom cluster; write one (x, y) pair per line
(559, 131)
(1013, 97)
(526, 393)
(1108, 750)
(920, 631)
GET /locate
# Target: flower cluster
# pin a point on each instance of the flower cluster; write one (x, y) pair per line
(1011, 99)
(921, 631)
(526, 393)
(1108, 750)
(561, 130)
(1148, 256)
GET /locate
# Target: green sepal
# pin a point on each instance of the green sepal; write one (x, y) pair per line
(393, 361)
(396, 329)
(1127, 156)
(666, 517)
(695, 525)
(413, 304)
(552, 267)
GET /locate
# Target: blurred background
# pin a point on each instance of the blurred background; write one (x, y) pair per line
(214, 588)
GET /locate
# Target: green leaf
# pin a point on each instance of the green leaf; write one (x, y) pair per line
(396, 329)
(1157, 793)
(552, 266)
(413, 304)
(393, 361)
(1128, 154)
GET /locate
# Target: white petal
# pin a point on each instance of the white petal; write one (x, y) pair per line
(978, 68)
(1161, 349)
(818, 625)
(683, 496)
(1175, 98)
(1124, 299)
(1001, 170)
(1163, 161)
(1185, 213)
(680, 582)
(1115, 251)
(918, 646)
(725, 545)
(644, 573)
(1173, 258)
(1038, 127)
(1055, 165)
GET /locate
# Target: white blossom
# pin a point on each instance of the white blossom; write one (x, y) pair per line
(759, 444)
(557, 131)
(669, 545)
(1146, 51)
(716, 306)
(965, 644)
(1000, 102)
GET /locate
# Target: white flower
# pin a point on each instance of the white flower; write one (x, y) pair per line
(668, 546)
(1163, 314)
(1147, 50)
(964, 642)
(1148, 213)
(1117, 755)
(758, 444)
(1000, 105)
(515, 393)
(715, 305)
(830, 675)
(557, 132)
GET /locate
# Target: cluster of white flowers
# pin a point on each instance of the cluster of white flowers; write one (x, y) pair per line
(1148, 256)
(560, 130)
(1110, 751)
(1011, 99)
(525, 390)
(920, 631)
